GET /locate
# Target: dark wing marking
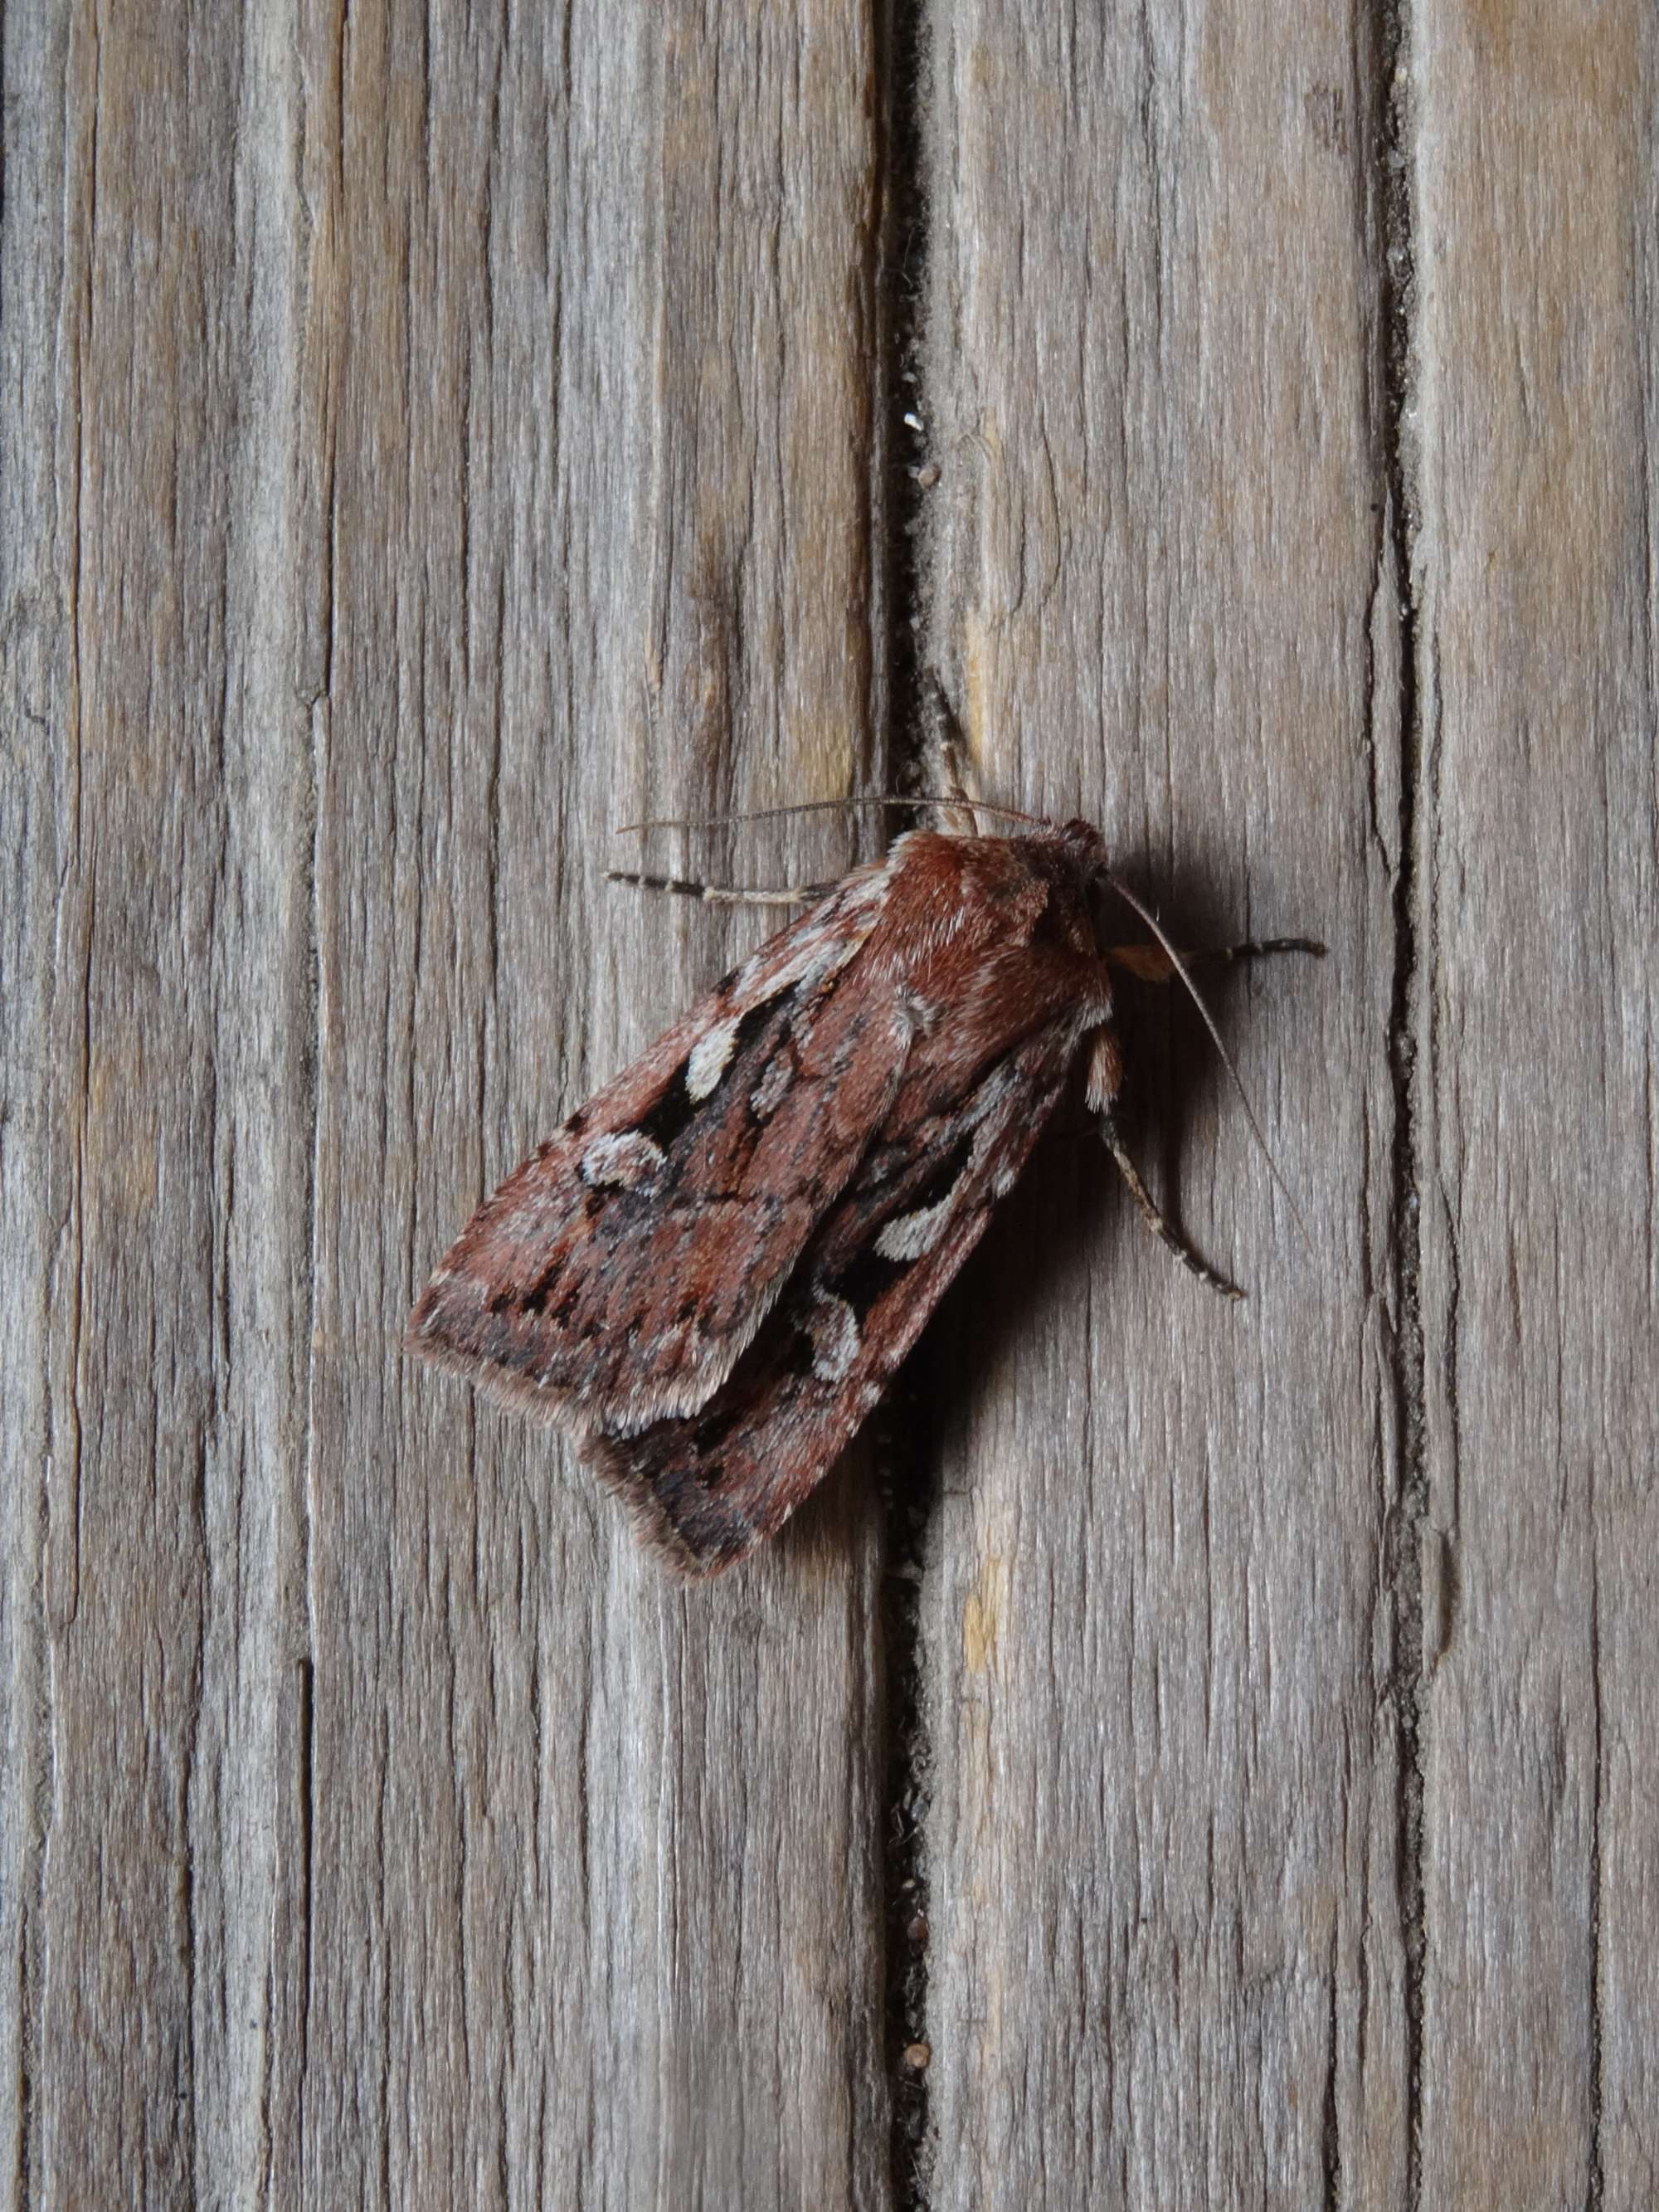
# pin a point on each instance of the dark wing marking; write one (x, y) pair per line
(708, 1487)
(621, 1271)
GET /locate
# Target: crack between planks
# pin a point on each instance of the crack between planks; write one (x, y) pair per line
(1596, 2188)
(904, 1461)
(1407, 1521)
(319, 709)
(907, 1497)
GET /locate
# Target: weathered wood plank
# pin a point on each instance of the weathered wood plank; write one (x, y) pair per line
(36, 795)
(1166, 1967)
(683, 1870)
(165, 1269)
(390, 1832)
(596, 316)
(1539, 268)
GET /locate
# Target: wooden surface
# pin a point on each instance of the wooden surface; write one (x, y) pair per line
(1224, 1737)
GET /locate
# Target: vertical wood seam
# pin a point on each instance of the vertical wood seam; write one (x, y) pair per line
(1408, 1509)
(906, 1465)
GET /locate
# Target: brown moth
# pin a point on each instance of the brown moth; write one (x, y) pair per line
(710, 1274)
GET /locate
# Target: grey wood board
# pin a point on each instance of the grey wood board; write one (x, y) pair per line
(1533, 1020)
(430, 439)
(462, 439)
(1162, 1847)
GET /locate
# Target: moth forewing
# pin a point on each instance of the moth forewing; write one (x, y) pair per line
(619, 1271)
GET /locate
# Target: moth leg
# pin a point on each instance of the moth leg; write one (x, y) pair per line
(1152, 964)
(1105, 1081)
(724, 894)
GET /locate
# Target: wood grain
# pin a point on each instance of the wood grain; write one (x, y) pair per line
(1534, 1020)
(464, 441)
(430, 437)
(162, 1263)
(1167, 1968)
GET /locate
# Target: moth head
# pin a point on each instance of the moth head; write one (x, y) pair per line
(1085, 847)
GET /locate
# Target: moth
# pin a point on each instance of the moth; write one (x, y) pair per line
(710, 1274)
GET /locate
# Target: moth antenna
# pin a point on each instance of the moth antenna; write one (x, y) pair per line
(820, 806)
(1180, 967)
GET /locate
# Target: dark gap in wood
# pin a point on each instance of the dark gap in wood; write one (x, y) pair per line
(907, 1465)
(29, 2162)
(906, 1477)
(306, 1721)
(312, 799)
(1595, 2194)
(1408, 1514)
(912, 764)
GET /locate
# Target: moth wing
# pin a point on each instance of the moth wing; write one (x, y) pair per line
(705, 1488)
(621, 1271)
